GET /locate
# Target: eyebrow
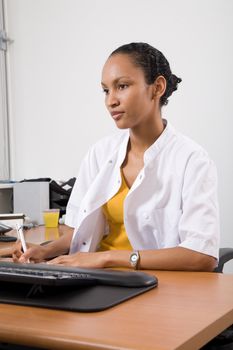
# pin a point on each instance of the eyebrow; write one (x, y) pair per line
(116, 80)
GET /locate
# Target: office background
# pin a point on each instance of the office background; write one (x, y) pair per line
(56, 106)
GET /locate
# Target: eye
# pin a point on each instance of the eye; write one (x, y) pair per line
(105, 91)
(122, 86)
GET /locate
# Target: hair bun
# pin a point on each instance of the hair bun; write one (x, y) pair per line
(174, 80)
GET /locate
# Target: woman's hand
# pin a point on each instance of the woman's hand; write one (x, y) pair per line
(35, 253)
(80, 259)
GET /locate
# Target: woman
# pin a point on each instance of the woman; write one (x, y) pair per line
(146, 197)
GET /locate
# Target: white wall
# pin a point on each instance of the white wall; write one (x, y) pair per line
(57, 108)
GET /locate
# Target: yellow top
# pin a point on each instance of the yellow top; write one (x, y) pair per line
(114, 213)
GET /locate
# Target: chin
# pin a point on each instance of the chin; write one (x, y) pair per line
(122, 124)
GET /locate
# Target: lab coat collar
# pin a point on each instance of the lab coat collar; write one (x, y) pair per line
(160, 143)
(154, 149)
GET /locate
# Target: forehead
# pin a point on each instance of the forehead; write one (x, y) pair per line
(120, 65)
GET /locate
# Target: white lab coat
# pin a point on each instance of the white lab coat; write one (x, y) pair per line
(173, 201)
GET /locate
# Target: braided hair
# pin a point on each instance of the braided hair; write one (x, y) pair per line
(153, 64)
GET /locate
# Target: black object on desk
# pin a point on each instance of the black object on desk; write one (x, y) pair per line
(3, 237)
(67, 288)
(60, 193)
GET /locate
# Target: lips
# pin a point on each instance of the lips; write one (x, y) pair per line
(117, 114)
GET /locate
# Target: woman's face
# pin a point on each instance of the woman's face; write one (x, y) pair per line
(128, 97)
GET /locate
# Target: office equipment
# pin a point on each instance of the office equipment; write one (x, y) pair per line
(31, 198)
(6, 197)
(66, 288)
(12, 219)
(60, 194)
(6, 238)
(4, 229)
(53, 275)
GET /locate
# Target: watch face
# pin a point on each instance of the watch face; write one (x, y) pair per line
(134, 258)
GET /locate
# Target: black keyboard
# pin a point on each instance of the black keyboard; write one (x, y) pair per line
(51, 275)
(5, 238)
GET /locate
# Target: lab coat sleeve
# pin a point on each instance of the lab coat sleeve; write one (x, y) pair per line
(199, 222)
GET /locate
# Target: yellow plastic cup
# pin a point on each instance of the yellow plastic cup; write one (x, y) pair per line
(51, 217)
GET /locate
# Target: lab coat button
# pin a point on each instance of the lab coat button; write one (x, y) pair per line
(146, 216)
(84, 243)
(84, 211)
(110, 161)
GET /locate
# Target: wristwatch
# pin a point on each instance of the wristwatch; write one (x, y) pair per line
(134, 259)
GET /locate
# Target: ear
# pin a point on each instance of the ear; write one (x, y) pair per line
(159, 87)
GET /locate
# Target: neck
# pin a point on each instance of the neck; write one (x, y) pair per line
(142, 138)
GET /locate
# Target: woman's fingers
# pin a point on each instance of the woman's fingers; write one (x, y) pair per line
(16, 251)
(60, 260)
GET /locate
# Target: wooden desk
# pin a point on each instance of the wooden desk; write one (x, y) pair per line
(183, 313)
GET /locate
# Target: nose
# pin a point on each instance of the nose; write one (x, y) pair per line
(112, 100)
